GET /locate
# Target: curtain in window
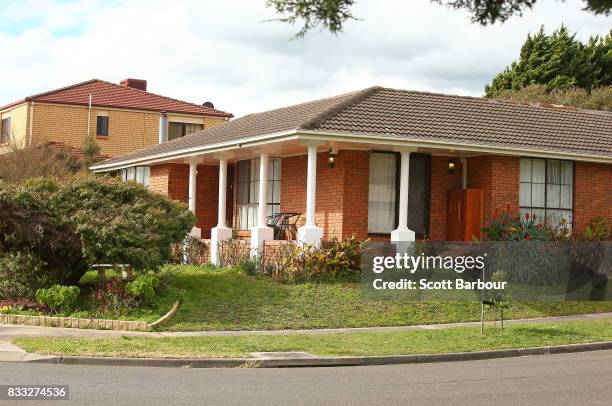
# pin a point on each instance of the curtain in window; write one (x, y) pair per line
(546, 190)
(382, 192)
(247, 199)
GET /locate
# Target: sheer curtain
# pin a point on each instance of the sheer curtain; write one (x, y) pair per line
(382, 193)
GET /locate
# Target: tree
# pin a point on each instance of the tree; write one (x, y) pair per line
(599, 98)
(332, 14)
(558, 61)
(115, 222)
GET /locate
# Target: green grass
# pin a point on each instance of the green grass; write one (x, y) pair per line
(415, 342)
(227, 300)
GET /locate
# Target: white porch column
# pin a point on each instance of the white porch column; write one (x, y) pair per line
(193, 179)
(221, 232)
(309, 233)
(261, 232)
(403, 233)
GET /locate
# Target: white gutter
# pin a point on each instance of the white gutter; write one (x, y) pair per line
(499, 150)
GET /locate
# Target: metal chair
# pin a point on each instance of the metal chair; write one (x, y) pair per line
(272, 222)
(288, 224)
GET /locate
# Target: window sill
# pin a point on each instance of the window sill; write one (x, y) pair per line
(102, 137)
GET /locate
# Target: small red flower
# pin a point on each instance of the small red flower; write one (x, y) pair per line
(528, 237)
(526, 216)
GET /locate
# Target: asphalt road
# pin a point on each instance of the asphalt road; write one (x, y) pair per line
(566, 379)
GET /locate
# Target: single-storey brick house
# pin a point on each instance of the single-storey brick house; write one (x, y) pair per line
(389, 164)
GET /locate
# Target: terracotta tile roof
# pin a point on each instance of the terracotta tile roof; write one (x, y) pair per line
(106, 94)
(409, 115)
(76, 152)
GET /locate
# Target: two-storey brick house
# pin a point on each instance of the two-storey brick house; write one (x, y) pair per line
(121, 117)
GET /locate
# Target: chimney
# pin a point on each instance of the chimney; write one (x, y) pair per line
(135, 83)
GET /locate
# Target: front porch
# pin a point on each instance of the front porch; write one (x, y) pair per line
(378, 192)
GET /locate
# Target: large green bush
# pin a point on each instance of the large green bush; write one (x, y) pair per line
(115, 222)
(21, 274)
(58, 297)
(34, 250)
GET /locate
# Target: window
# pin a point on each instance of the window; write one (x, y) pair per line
(102, 126)
(546, 190)
(177, 130)
(382, 195)
(247, 197)
(140, 174)
(6, 130)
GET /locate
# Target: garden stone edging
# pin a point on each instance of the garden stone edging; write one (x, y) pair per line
(99, 324)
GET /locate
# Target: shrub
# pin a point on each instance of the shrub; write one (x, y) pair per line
(143, 287)
(232, 252)
(117, 222)
(21, 275)
(18, 163)
(58, 297)
(249, 266)
(508, 227)
(56, 247)
(597, 230)
(111, 299)
(336, 259)
(194, 250)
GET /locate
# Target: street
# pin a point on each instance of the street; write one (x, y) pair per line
(569, 379)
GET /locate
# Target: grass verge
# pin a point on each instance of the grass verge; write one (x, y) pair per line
(388, 343)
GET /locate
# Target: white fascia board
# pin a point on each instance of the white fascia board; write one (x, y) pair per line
(378, 139)
(205, 149)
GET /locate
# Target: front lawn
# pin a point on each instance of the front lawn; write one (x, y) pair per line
(414, 342)
(214, 299)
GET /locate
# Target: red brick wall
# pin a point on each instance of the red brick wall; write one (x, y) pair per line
(172, 180)
(592, 193)
(342, 192)
(356, 189)
(498, 176)
(441, 183)
(207, 198)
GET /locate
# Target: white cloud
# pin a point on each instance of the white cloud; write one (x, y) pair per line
(224, 52)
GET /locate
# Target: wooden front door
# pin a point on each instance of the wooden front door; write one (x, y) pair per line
(464, 215)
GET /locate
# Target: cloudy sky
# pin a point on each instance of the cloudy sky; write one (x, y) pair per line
(223, 51)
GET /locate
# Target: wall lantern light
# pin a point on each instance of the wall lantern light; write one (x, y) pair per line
(331, 160)
(451, 166)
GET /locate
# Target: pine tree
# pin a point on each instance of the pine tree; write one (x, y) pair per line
(558, 61)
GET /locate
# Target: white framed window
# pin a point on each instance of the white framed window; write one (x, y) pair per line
(139, 174)
(178, 130)
(5, 130)
(546, 190)
(247, 194)
(382, 194)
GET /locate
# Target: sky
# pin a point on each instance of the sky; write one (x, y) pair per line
(229, 53)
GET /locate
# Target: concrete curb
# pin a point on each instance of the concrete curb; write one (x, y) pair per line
(274, 362)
